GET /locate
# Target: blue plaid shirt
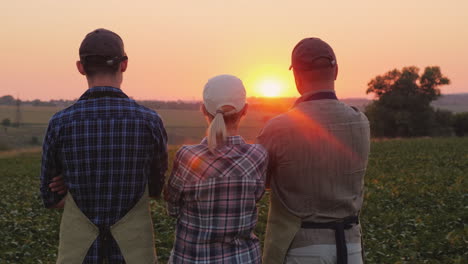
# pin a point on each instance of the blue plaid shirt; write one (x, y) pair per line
(108, 148)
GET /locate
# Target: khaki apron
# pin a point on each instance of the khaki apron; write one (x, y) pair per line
(282, 226)
(133, 233)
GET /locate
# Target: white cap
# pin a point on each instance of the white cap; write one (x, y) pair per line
(223, 90)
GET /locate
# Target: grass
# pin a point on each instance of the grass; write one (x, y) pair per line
(23, 136)
(414, 211)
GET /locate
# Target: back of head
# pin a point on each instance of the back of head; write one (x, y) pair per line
(313, 60)
(101, 52)
(224, 97)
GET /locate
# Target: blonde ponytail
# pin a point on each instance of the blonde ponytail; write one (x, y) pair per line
(216, 131)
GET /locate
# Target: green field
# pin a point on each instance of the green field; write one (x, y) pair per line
(414, 212)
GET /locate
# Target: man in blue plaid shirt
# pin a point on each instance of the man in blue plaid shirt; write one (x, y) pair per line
(107, 148)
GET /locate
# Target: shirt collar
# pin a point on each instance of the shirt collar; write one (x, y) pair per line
(230, 140)
(316, 95)
(102, 89)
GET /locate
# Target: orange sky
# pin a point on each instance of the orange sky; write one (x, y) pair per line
(175, 46)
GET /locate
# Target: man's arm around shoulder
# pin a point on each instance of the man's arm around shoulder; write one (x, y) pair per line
(159, 162)
(50, 170)
(268, 138)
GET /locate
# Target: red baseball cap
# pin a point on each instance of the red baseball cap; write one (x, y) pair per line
(308, 51)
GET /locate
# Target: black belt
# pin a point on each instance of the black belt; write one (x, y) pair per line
(339, 226)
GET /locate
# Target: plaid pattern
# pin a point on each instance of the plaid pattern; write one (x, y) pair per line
(214, 198)
(107, 148)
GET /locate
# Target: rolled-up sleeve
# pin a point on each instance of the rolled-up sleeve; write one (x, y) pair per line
(51, 166)
(159, 163)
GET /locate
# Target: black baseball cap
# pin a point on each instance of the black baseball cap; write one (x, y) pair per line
(308, 51)
(102, 45)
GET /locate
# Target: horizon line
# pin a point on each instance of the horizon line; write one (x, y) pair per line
(199, 100)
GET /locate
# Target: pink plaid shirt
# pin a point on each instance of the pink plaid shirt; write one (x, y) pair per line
(214, 198)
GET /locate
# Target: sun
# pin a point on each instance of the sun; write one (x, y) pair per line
(268, 80)
(270, 88)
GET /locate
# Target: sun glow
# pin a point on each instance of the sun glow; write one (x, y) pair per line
(270, 88)
(269, 80)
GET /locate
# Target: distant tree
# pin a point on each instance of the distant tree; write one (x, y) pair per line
(460, 124)
(6, 123)
(36, 102)
(402, 107)
(7, 100)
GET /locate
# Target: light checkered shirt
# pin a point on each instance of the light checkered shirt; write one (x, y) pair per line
(214, 198)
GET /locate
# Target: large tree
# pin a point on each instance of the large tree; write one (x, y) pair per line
(402, 106)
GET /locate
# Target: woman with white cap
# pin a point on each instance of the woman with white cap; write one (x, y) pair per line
(214, 186)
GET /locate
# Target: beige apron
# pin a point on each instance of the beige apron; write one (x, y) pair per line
(282, 226)
(133, 233)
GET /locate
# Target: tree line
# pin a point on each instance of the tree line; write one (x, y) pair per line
(402, 106)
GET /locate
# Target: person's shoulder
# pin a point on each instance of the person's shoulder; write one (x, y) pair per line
(280, 124)
(277, 122)
(147, 113)
(62, 115)
(258, 154)
(143, 109)
(193, 149)
(352, 108)
(187, 152)
(259, 150)
(354, 112)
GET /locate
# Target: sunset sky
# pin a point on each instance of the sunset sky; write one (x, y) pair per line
(174, 47)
